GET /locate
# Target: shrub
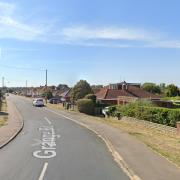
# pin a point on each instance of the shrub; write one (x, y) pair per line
(91, 96)
(174, 116)
(85, 106)
(154, 114)
(112, 111)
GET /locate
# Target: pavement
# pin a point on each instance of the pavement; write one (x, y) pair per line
(13, 126)
(81, 148)
(136, 158)
(51, 147)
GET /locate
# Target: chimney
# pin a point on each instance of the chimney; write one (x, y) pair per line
(124, 86)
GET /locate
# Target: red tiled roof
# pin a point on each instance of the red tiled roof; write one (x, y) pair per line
(102, 93)
(95, 91)
(141, 93)
(132, 91)
(66, 93)
(114, 93)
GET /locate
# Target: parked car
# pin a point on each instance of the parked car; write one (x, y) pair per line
(54, 101)
(39, 102)
(104, 111)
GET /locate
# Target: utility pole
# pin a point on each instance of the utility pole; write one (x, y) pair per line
(2, 82)
(46, 86)
(26, 87)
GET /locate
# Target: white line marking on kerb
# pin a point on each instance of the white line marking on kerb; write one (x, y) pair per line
(43, 171)
(48, 121)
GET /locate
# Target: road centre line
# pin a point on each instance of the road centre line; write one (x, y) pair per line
(48, 121)
(41, 177)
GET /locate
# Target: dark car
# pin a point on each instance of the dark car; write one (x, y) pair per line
(54, 101)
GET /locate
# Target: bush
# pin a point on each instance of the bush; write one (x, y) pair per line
(86, 106)
(154, 114)
(112, 110)
(91, 96)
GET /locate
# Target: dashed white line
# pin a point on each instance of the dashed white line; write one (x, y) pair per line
(48, 121)
(43, 171)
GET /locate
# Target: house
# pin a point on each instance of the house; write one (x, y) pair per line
(66, 96)
(121, 93)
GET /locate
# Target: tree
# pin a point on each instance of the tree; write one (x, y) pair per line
(152, 87)
(0, 96)
(81, 89)
(47, 94)
(62, 87)
(162, 87)
(97, 86)
(172, 91)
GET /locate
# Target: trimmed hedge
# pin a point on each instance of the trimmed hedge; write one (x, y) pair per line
(86, 106)
(164, 116)
(92, 97)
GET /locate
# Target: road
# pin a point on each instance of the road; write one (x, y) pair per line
(51, 147)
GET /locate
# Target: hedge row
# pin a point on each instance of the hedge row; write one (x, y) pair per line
(153, 114)
(86, 106)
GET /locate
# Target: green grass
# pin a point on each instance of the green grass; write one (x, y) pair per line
(177, 98)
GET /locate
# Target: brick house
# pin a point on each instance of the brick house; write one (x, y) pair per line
(122, 93)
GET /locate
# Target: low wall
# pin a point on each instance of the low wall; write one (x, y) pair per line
(159, 127)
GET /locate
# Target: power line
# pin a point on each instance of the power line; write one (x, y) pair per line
(21, 68)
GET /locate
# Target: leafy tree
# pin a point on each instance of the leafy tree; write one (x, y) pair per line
(1, 95)
(47, 94)
(80, 90)
(172, 91)
(62, 87)
(162, 87)
(152, 87)
(97, 86)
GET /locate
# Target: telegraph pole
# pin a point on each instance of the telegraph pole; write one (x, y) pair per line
(2, 82)
(26, 87)
(46, 86)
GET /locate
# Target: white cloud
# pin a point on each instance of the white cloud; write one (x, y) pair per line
(11, 28)
(6, 8)
(111, 33)
(108, 36)
(117, 37)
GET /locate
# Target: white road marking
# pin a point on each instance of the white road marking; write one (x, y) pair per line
(43, 171)
(48, 121)
(117, 157)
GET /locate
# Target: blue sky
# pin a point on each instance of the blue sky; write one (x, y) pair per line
(100, 41)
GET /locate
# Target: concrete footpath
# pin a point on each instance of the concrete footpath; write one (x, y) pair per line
(14, 124)
(139, 161)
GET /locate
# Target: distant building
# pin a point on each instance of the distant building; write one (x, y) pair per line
(66, 96)
(121, 93)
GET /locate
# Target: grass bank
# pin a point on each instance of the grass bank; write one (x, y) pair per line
(3, 113)
(166, 144)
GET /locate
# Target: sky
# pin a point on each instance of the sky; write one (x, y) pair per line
(101, 41)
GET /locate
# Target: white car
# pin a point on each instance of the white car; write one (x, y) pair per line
(104, 111)
(39, 102)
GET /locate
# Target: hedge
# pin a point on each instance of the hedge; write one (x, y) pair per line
(164, 116)
(86, 106)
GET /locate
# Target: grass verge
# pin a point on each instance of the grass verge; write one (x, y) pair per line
(164, 143)
(3, 113)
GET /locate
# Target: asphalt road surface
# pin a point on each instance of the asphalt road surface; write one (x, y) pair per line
(51, 147)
